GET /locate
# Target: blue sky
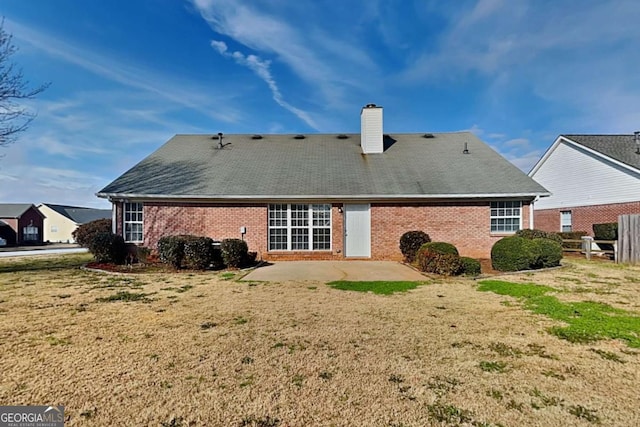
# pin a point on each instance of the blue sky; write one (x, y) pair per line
(126, 75)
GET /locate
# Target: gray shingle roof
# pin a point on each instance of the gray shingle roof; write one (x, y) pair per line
(13, 210)
(618, 147)
(323, 166)
(80, 215)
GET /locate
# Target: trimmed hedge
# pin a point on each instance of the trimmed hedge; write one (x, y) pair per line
(434, 262)
(441, 248)
(470, 266)
(410, 242)
(607, 231)
(235, 252)
(198, 252)
(545, 253)
(85, 232)
(515, 253)
(171, 250)
(107, 247)
(538, 234)
(511, 254)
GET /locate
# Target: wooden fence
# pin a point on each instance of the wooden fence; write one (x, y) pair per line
(629, 238)
(585, 246)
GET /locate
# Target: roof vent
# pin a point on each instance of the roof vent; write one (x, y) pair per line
(636, 138)
(370, 106)
(299, 137)
(220, 144)
(428, 135)
(256, 137)
(466, 149)
(342, 136)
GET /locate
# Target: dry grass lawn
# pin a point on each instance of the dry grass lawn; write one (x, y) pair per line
(203, 349)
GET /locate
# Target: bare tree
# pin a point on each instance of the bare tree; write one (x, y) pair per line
(14, 117)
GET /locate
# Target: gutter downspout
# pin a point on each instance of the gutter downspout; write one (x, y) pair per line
(531, 211)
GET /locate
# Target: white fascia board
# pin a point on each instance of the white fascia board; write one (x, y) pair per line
(338, 197)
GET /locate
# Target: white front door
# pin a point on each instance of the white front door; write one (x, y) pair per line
(357, 230)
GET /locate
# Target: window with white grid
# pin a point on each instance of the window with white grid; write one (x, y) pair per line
(299, 227)
(133, 222)
(506, 216)
(565, 221)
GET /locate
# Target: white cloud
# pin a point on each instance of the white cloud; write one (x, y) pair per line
(178, 91)
(261, 69)
(311, 51)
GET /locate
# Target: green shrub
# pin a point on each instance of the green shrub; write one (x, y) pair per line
(410, 242)
(538, 234)
(512, 253)
(85, 232)
(431, 261)
(234, 252)
(545, 253)
(107, 247)
(441, 248)
(572, 235)
(608, 231)
(198, 252)
(470, 266)
(171, 250)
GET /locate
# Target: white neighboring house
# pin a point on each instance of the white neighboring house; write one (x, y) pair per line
(592, 179)
(61, 221)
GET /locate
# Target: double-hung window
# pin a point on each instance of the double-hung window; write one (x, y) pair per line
(506, 216)
(565, 221)
(133, 222)
(299, 227)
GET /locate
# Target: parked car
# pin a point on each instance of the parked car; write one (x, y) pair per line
(3, 242)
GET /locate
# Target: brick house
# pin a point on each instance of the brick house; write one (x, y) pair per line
(325, 196)
(592, 179)
(21, 224)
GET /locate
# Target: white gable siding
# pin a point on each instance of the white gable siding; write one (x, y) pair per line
(576, 177)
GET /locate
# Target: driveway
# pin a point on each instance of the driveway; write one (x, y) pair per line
(327, 271)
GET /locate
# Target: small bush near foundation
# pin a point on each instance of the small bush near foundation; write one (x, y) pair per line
(410, 242)
(85, 232)
(430, 261)
(235, 252)
(511, 254)
(171, 250)
(470, 266)
(107, 247)
(538, 234)
(545, 253)
(441, 248)
(198, 252)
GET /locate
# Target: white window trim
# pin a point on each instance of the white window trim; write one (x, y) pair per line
(498, 217)
(125, 222)
(289, 227)
(570, 222)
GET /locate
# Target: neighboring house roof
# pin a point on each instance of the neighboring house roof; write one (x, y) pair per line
(80, 215)
(323, 166)
(618, 147)
(14, 210)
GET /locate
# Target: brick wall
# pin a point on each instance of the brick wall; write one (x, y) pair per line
(465, 224)
(583, 217)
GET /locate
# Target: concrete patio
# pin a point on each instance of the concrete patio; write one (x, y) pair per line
(327, 271)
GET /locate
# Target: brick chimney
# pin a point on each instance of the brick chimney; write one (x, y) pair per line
(371, 129)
